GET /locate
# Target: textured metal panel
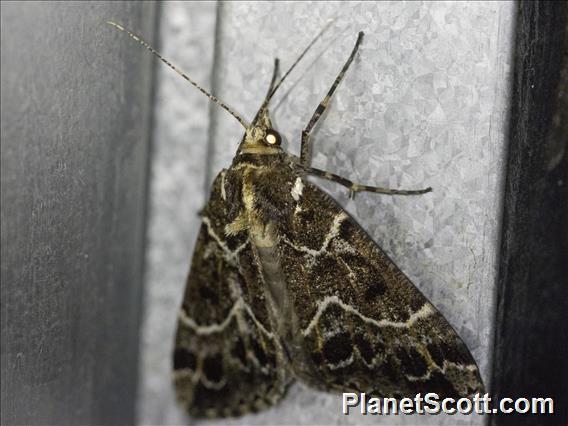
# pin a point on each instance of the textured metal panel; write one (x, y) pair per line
(423, 105)
(75, 115)
(180, 138)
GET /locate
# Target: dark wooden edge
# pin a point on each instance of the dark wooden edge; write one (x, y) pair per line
(531, 326)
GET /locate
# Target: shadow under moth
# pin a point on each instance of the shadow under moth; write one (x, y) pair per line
(284, 285)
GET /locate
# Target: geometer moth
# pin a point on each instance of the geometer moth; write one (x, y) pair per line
(284, 285)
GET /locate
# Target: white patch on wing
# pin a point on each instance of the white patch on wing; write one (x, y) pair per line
(297, 189)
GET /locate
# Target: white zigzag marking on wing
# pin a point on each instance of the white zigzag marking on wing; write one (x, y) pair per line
(212, 385)
(425, 311)
(463, 367)
(256, 321)
(196, 376)
(342, 364)
(185, 373)
(333, 231)
(239, 306)
(350, 273)
(230, 255)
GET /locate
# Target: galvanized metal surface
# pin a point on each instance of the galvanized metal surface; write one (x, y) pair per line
(425, 104)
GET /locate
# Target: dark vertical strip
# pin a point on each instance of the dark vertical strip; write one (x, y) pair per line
(531, 339)
(213, 108)
(75, 98)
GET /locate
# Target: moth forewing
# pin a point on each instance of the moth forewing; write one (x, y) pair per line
(285, 285)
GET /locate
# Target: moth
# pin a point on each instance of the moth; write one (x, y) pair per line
(284, 285)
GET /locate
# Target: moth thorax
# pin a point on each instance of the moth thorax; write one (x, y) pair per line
(264, 235)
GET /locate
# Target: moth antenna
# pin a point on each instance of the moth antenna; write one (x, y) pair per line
(274, 75)
(323, 30)
(177, 70)
(275, 88)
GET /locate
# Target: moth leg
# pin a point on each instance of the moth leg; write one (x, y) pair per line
(305, 147)
(355, 187)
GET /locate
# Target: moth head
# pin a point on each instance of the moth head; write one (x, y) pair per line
(261, 137)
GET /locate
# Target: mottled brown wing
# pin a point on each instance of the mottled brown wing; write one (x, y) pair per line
(365, 326)
(227, 361)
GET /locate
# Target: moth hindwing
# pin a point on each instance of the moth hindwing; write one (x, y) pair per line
(284, 285)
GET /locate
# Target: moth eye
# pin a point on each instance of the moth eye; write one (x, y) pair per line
(272, 137)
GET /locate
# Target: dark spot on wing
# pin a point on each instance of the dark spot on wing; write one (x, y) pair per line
(439, 383)
(317, 358)
(183, 359)
(453, 353)
(306, 215)
(347, 230)
(436, 354)
(364, 348)
(205, 398)
(390, 370)
(259, 352)
(375, 289)
(412, 362)
(213, 368)
(239, 351)
(206, 293)
(337, 348)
